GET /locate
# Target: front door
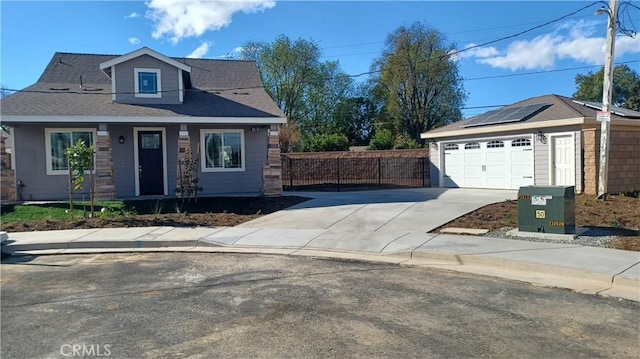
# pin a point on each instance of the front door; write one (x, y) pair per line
(150, 163)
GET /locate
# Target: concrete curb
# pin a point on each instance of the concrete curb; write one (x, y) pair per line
(535, 273)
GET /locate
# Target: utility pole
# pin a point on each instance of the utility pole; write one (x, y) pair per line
(607, 92)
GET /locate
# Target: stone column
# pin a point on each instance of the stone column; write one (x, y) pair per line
(272, 171)
(184, 150)
(105, 188)
(7, 175)
(591, 145)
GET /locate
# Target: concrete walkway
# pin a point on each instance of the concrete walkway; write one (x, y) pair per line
(592, 270)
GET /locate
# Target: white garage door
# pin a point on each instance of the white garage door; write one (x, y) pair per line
(500, 163)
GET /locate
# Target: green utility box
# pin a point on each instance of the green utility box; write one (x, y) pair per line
(547, 209)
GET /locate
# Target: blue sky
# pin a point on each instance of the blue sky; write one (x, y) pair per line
(352, 32)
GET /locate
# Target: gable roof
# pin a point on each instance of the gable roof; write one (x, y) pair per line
(73, 85)
(560, 110)
(144, 51)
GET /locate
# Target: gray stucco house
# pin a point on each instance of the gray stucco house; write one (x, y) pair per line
(143, 111)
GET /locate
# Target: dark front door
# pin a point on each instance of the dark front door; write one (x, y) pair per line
(150, 163)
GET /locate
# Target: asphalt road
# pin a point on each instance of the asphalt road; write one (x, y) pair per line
(258, 306)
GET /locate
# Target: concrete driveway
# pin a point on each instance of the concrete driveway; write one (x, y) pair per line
(417, 210)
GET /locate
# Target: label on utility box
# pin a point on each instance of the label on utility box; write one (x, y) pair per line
(540, 214)
(539, 200)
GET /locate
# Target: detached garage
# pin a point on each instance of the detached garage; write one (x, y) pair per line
(547, 140)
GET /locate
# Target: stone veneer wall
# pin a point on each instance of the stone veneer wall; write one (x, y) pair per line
(624, 160)
(272, 171)
(7, 175)
(184, 147)
(105, 188)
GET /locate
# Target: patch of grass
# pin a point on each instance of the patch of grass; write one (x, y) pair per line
(53, 211)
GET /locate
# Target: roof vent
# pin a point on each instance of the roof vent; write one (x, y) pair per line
(59, 88)
(92, 89)
(240, 93)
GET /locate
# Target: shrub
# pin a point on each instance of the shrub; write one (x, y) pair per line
(327, 142)
(382, 140)
(406, 143)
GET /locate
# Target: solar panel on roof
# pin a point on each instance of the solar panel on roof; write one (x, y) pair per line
(481, 117)
(506, 115)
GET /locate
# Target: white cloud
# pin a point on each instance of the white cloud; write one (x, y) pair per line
(233, 54)
(627, 45)
(200, 51)
(571, 40)
(134, 40)
(536, 53)
(132, 15)
(188, 18)
(480, 52)
(585, 49)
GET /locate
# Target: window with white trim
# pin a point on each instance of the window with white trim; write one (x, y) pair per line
(471, 146)
(147, 82)
(450, 147)
(223, 150)
(57, 140)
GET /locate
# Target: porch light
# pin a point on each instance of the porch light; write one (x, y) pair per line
(121, 139)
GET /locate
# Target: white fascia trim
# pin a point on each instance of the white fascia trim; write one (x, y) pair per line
(513, 127)
(113, 83)
(180, 87)
(144, 51)
(145, 119)
(527, 126)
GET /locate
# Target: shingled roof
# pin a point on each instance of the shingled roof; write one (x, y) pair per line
(558, 108)
(215, 88)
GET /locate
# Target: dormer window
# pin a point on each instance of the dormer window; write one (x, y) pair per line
(147, 82)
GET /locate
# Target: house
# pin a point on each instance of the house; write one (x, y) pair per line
(546, 140)
(145, 112)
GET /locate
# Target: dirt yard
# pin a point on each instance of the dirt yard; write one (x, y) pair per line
(621, 213)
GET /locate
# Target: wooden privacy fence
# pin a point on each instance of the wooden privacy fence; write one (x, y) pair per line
(331, 171)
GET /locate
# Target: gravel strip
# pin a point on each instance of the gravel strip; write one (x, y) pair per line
(593, 237)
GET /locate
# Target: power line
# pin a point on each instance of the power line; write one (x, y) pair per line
(452, 53)
(214, 90)
(544, 71)
(380, 70)
(465, 41)
(446, 34)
